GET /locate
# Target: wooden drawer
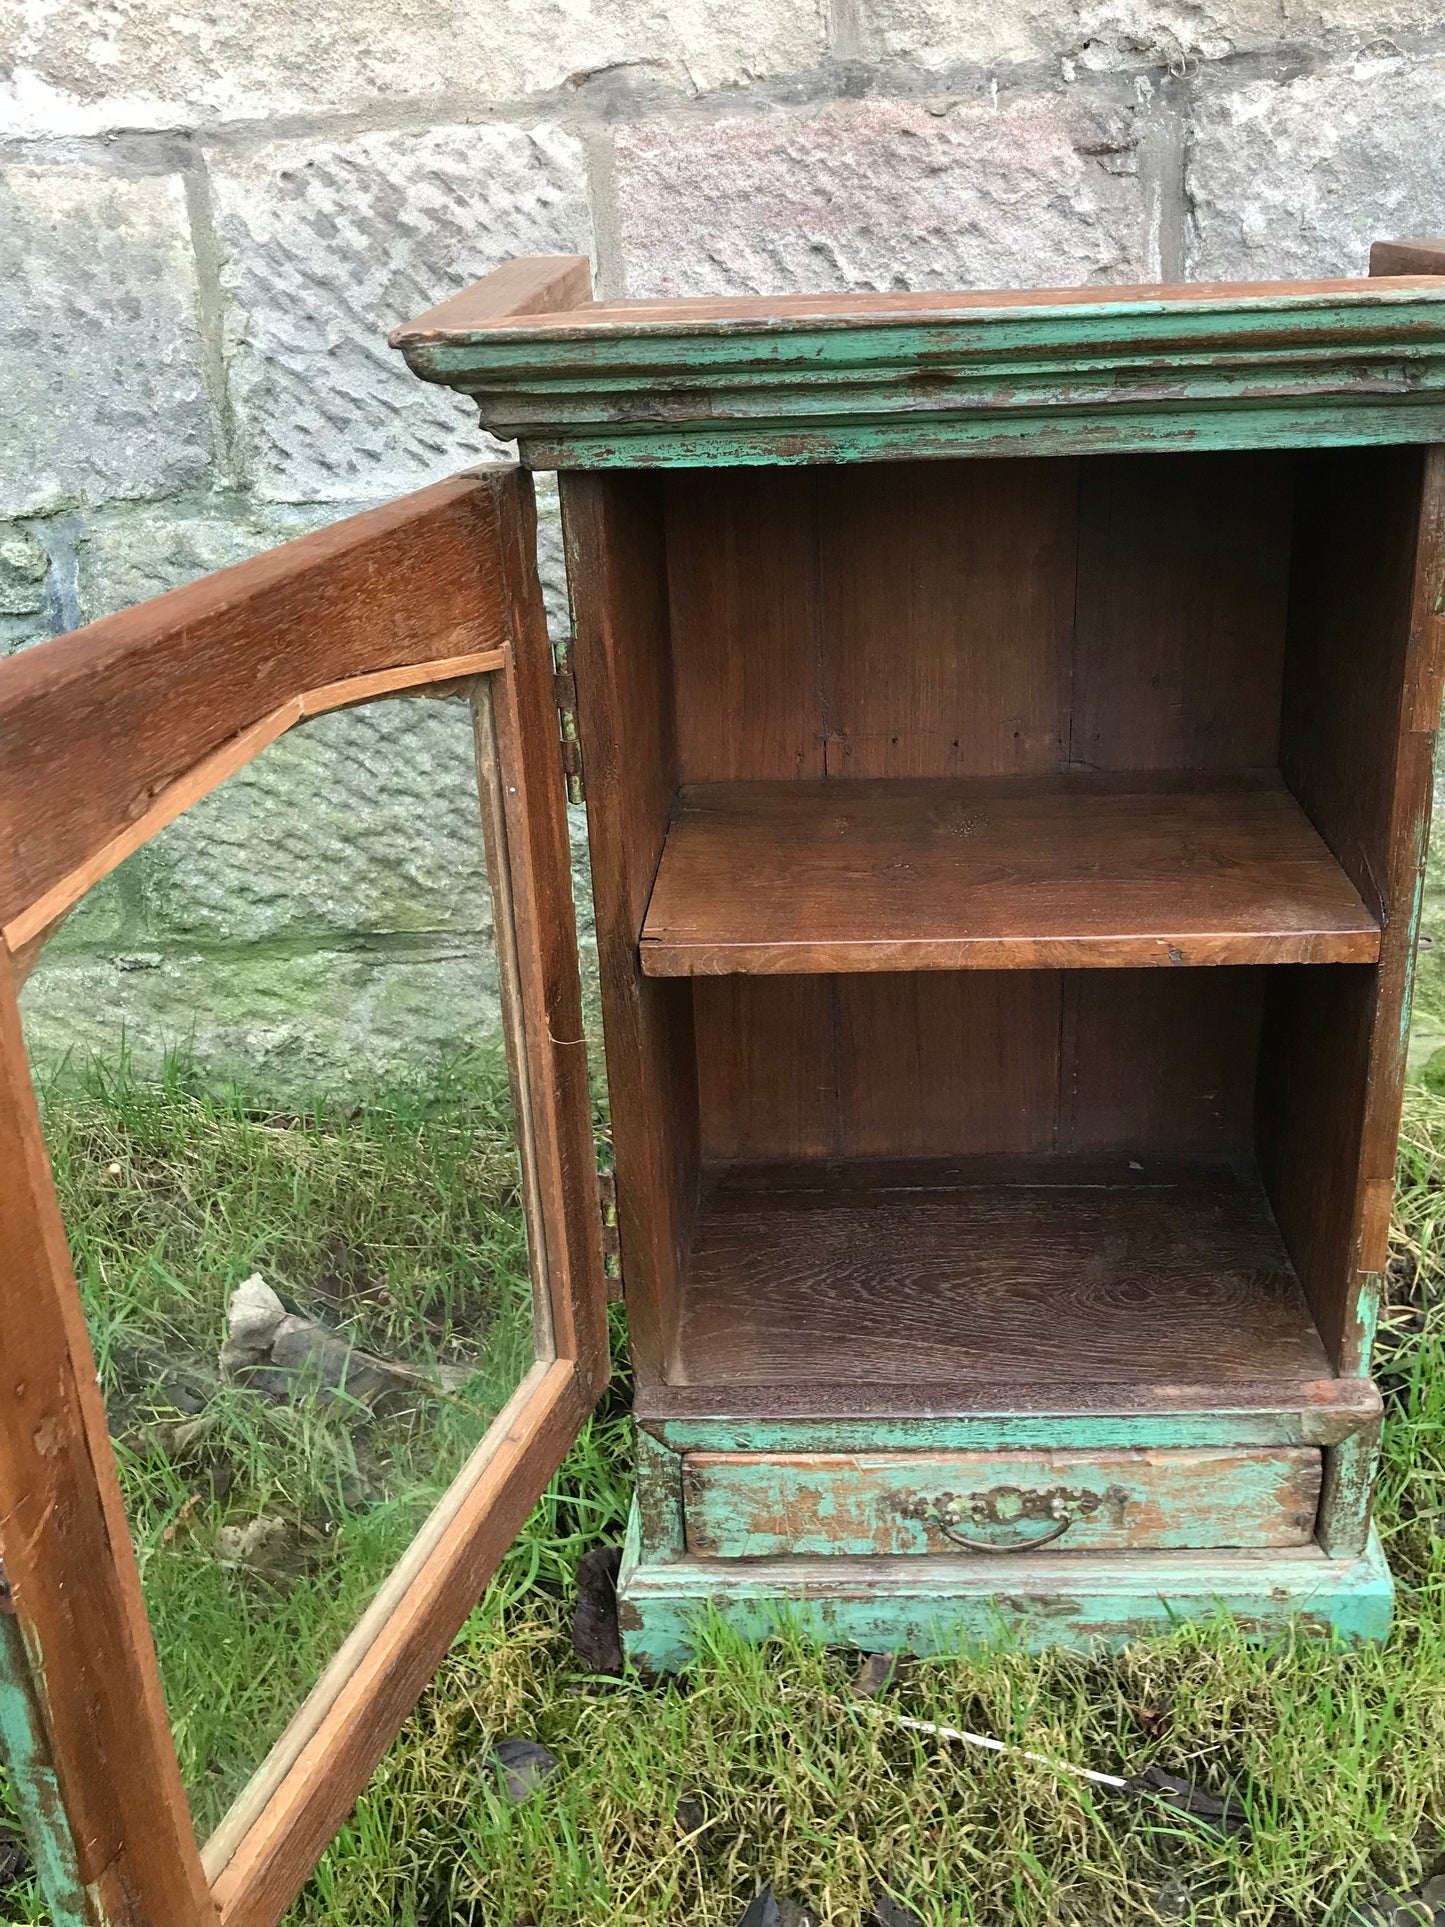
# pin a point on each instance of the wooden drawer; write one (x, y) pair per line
(751, 1505)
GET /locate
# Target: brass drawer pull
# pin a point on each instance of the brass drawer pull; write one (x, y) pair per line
(1057, 1507)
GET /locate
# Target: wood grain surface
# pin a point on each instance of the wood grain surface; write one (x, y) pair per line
(1044, 872)
(622, 659)
(494, 302)
(540, 284)
(68, 1556)
(1174, 1271)
(1361, 709)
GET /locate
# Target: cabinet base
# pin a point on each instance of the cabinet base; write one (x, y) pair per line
(934, 1605)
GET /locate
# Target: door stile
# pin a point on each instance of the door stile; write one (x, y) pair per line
(78, 1606)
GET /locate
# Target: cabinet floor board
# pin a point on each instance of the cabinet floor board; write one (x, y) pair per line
(990, 1270)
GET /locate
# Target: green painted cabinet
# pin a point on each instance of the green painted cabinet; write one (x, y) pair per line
(1006, 725)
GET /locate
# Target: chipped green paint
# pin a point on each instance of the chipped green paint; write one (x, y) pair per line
(33, 1784)
(1047, 432)
(1241, 371)
(937, 1605)
(659, 1497)
(1347, 1499)
(891, 1504)
(1369, 1291)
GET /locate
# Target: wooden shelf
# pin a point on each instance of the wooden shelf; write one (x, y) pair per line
(1026, 873)
(1045, 1272)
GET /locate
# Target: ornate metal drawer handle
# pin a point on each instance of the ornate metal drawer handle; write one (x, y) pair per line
(1057, 1506)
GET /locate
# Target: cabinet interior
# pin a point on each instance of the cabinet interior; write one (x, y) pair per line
(988, 860)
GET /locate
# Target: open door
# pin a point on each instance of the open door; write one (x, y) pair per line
(106, 736)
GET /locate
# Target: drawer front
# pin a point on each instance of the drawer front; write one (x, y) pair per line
(755, 1505)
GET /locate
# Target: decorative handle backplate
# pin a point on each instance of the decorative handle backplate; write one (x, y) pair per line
(1055, 1507)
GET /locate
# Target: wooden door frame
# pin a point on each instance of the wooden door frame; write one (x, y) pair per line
(106, 736)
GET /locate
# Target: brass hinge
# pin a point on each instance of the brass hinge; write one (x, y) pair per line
(611, 1243)
(564, 694)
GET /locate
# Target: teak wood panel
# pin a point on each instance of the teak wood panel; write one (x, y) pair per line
(753, 1505)
(948, 1063)
(1362, 695)
(1160, 1271)
(622, 660)
(946, 603)
(979, 618)
(1010, 873)
(1183, 585)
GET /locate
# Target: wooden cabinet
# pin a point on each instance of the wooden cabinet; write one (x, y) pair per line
(1006, 728)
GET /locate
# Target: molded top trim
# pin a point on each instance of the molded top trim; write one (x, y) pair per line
(466, 318)
(806, 378)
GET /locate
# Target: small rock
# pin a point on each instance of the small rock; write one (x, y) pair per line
(327, 1363)
(265, 1546)
(774, 1910)
(525, 1766)
(1433, 1892)
(688, 1814)
(254, 1314)
(596, 1636)
(875, 1675)
(762, 1911)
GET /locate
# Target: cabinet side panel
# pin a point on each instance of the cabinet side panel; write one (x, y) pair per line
(1183, 591)
(947, 616)
(617, 576)
(1361, 706)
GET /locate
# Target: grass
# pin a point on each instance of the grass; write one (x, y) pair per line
(782, 1773)
(398, 1227)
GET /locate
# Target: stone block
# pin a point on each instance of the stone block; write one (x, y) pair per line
(327, 245)
(1293, 180)
(881, 195)
(1110, 35)
(93, 64)
(103, 395)
(362, 824)
(127, 556)
(318, 1023)
(24, 565)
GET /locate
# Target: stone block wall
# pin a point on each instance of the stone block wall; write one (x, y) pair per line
(211, 214)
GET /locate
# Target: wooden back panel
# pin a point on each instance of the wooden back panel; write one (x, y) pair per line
(952, 1063)
(978, 619)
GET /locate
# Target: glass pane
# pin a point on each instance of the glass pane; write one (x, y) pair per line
(276, 1095)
